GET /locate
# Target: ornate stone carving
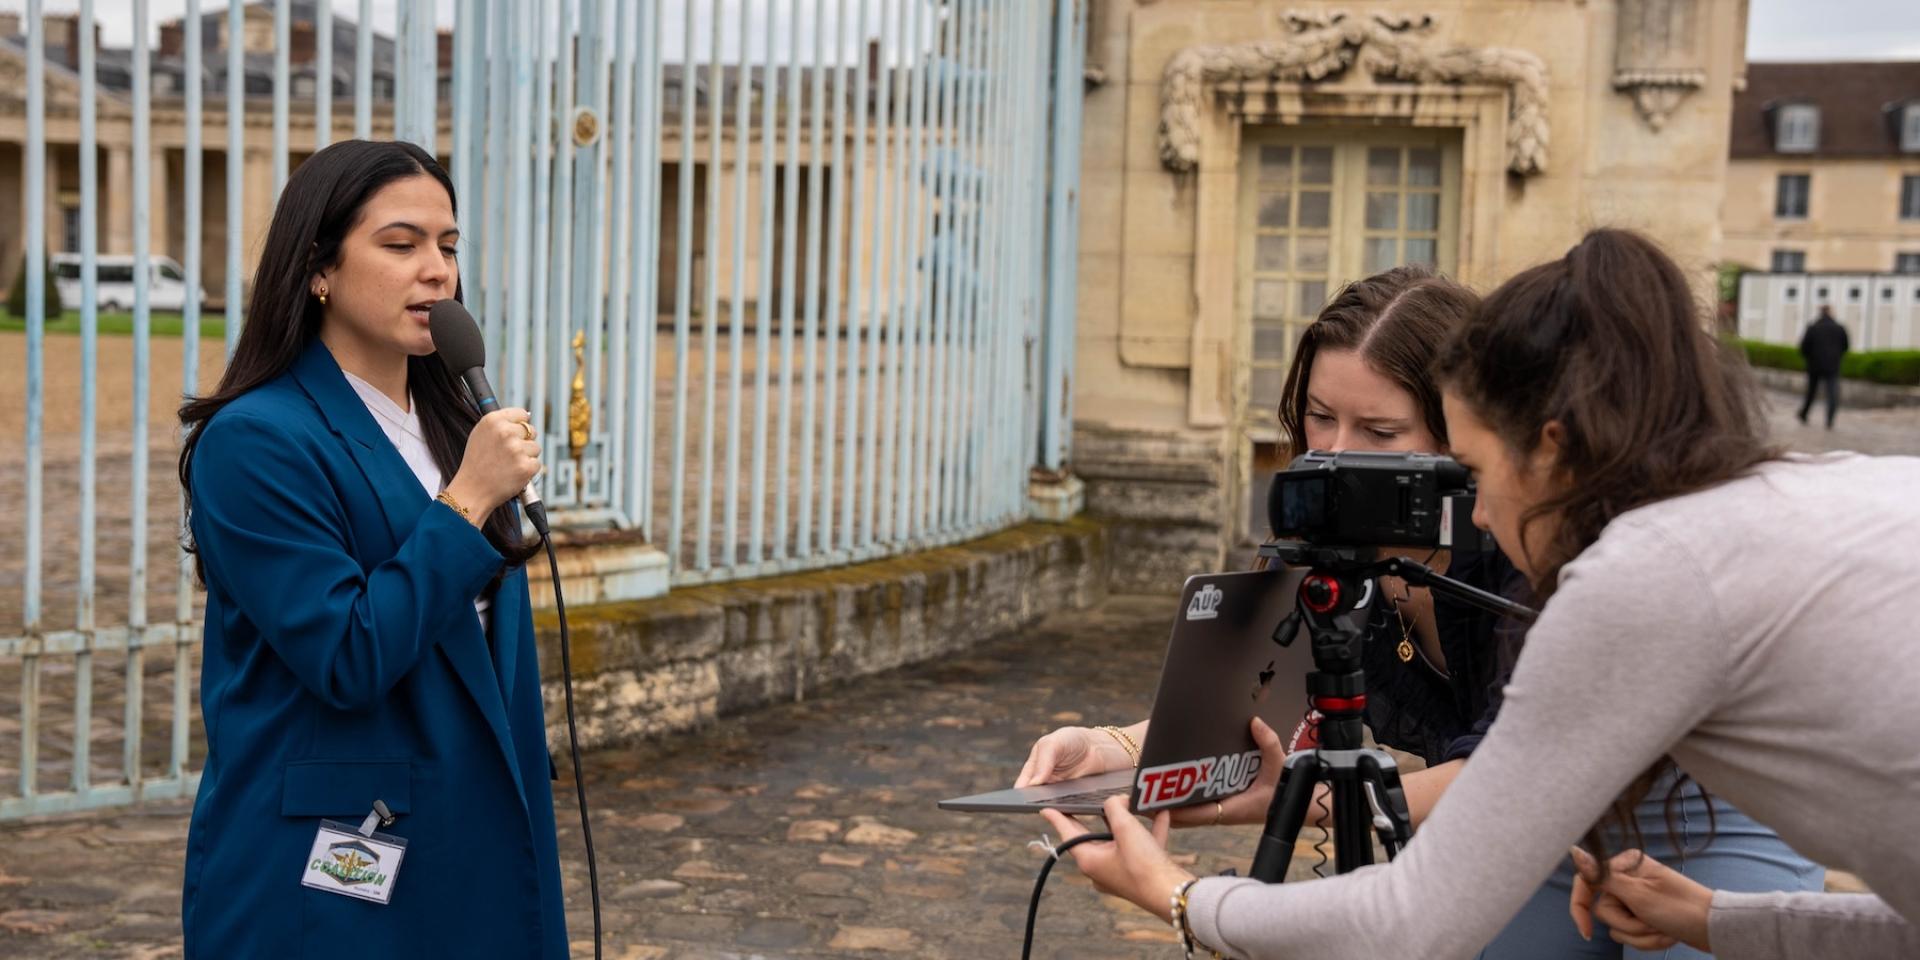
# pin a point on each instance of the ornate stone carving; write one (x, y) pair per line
(1326, 44)
(1658, 58)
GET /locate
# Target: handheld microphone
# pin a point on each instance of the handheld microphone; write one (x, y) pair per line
(457, 339)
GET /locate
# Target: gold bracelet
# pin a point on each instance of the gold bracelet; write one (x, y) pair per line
(447, 498)
(1126, 742)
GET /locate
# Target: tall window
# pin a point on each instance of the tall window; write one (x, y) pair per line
(69, 229)
(1789, 261)
(1910, 197)
(1293, 224)
(1906, 263)
(1790, 196)
(1321, 208)
(1910, 127)
(1797, 128)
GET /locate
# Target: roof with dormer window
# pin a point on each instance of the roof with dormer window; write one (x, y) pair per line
(1860, 104)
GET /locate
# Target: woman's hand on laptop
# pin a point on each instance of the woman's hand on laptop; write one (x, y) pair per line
(1071, 752)
(1249, 805)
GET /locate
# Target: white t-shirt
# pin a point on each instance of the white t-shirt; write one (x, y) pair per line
(402, 428)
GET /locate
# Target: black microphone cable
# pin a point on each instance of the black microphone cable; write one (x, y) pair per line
(537, 515)
(463, 351)
(1040, 883)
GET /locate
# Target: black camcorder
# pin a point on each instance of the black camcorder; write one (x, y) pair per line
(1367, 499)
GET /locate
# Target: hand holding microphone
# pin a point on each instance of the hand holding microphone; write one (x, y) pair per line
(503, 454)
(500, 461)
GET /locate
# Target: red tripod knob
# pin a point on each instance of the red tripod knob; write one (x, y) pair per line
(1321, 592)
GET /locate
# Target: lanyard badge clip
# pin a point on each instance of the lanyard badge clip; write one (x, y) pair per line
(379, 817)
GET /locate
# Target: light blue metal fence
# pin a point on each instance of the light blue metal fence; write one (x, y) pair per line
(786, 284)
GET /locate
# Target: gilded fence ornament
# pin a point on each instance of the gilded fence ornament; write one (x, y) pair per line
(579, 411)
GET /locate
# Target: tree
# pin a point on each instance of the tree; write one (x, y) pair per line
(17, 297)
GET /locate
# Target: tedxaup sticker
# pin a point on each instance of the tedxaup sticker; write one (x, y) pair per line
(344, 862)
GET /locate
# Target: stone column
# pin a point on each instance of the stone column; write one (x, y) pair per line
(118, 190)
(159, 213)
(256, 184)
(55, 212)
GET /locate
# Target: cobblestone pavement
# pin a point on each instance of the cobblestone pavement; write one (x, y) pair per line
(802, 830)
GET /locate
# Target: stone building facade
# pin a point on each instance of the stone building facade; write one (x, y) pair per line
(1823, 171)
(1244, 158)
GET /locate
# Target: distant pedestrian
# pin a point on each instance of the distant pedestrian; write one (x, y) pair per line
(1824, 343)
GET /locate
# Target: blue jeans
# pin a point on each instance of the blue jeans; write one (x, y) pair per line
(1743, 856)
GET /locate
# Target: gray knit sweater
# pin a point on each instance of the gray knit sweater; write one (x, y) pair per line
(1764, 634)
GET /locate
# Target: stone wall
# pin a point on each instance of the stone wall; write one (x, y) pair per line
(677, 662)
(1161, 496)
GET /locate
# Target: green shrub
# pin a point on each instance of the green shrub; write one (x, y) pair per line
(1773, 355)
(1727, 279)
(17, 297)
(1900, 367)
(1896, 367)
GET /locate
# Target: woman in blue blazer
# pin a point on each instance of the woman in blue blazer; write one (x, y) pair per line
(368, 636)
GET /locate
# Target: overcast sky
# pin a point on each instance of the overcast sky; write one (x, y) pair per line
(117, 28)
(1778, 29)
(1834, 30)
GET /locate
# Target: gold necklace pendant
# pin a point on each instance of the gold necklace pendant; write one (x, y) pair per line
(1404, 649)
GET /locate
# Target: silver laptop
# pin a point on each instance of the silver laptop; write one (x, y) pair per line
(1223, 666)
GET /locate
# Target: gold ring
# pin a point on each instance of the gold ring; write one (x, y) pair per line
(1219, 812)
(528, 427)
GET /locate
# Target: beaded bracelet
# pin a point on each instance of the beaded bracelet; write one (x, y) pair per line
(1183, 926)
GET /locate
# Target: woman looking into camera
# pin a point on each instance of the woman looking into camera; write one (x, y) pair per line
(1707, 602)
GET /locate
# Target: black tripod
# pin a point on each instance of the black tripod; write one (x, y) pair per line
(1336, 602)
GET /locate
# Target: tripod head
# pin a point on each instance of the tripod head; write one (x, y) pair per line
(1343, 565)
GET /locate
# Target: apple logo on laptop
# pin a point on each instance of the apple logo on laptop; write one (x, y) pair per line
(1266, 680)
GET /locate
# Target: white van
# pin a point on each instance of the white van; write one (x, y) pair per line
(166, 282)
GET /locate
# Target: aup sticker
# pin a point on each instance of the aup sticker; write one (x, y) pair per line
(1206, 603)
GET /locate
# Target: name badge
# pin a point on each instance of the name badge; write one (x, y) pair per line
(354, 862)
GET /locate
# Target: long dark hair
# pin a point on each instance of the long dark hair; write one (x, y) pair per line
(1395, 320)
(1610, 343)
(319, 205)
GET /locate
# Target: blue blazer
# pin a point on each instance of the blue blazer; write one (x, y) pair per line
(344, 663)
